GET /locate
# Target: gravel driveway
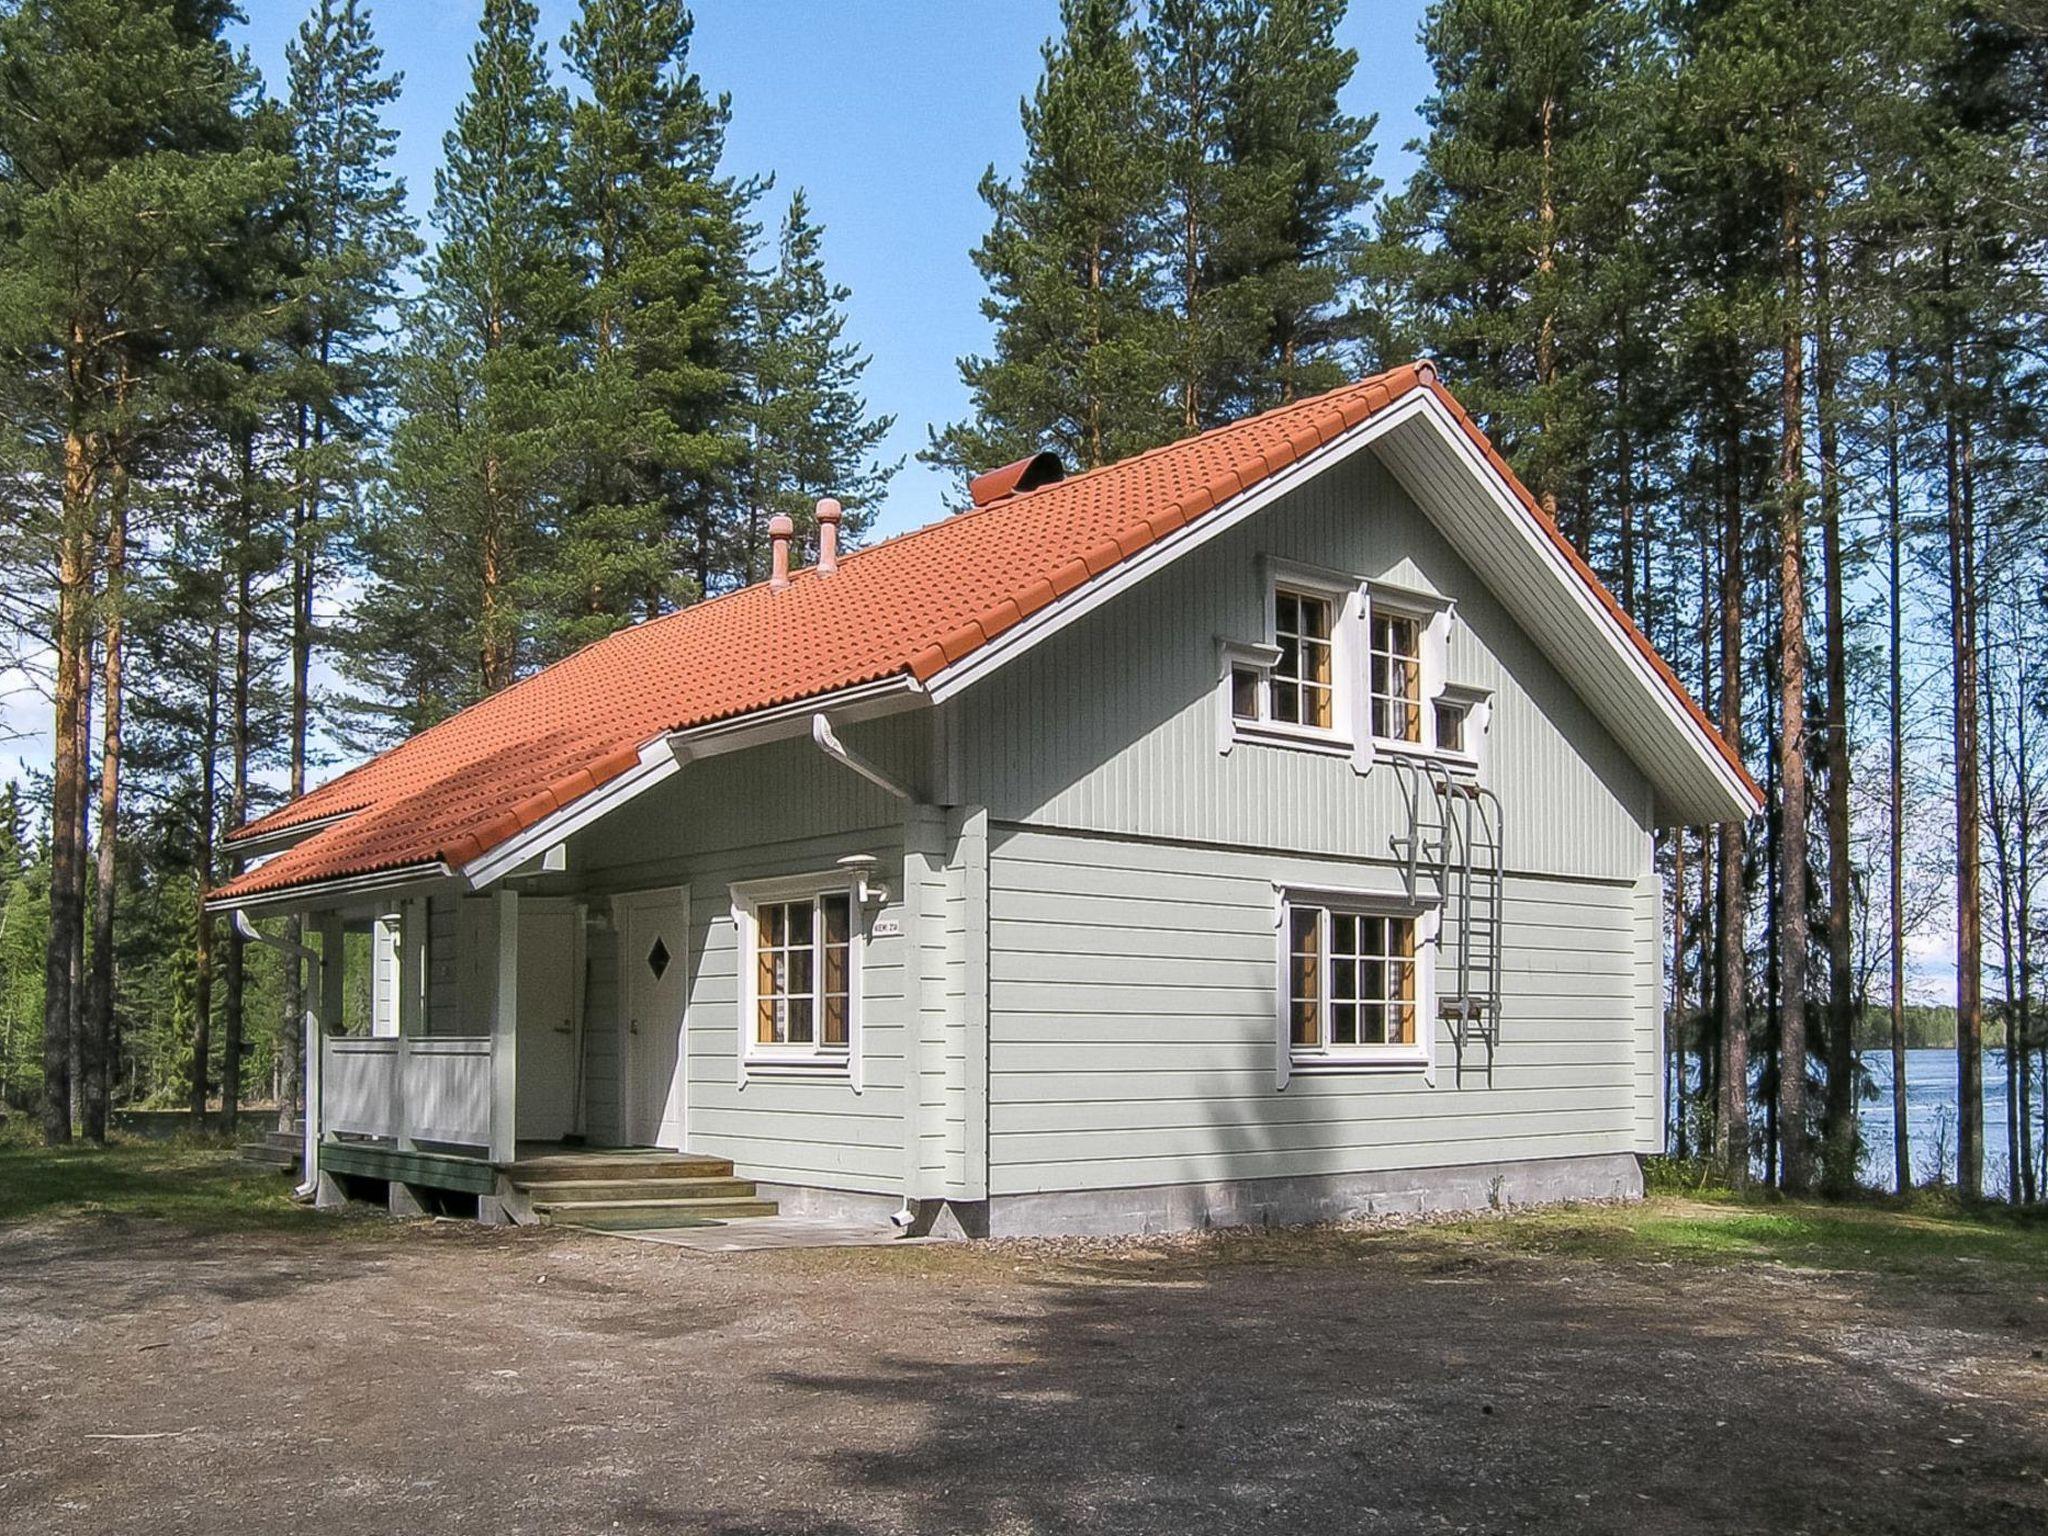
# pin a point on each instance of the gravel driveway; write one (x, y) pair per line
(437, 1377)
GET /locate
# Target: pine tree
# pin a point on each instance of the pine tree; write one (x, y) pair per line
(1534, 157)
(347, 235)
(122, 124)
(809, 433)
(662, 235)
(485, 390)
(1294, 236)
(1079, 364)
(1192, 51)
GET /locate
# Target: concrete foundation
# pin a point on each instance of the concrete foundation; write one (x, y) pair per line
(1296, 1201)
(1235, 1202)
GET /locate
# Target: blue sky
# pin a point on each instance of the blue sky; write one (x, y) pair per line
(886, 115)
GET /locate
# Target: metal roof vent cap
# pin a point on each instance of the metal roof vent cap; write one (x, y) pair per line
(1015, 479)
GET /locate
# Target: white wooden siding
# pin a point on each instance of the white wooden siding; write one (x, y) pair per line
(781, 809)
(1111, 726)
(602, 1120)
(1132, 1020)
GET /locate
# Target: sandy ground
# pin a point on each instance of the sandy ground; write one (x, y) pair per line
(429, 1378)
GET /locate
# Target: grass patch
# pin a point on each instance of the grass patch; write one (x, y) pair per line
(190, 1183)
(1922, 1237)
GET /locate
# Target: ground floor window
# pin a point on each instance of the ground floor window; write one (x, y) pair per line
(1354, 983)
(798, 964)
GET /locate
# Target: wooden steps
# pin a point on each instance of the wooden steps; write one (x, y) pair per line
(279, 1150)
(633, 1191)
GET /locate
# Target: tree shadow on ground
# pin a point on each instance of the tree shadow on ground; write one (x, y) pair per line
(1411, 1389)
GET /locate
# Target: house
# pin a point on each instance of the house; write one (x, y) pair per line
(1259, 829)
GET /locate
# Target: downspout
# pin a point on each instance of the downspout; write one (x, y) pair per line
(904, 1219)
(297, 951)
(830, 744)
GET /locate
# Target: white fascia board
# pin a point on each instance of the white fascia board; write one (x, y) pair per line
(1126, 574)
(1742, 803)
(863, 701)
(268, 844)
(658, 759)
(324, 894)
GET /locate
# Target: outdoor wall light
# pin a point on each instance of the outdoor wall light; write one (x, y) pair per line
(866, 891)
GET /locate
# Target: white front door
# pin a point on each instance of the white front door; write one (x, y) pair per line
(549, 956)
(653, 934)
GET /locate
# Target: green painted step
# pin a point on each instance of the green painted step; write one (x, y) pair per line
(614, 1191)
(269, 1155)
(628, 1215)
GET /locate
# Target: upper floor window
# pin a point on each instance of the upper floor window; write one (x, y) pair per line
(1303, 683)
(1394, 662)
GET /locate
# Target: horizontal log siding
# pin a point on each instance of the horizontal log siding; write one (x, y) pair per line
(1112, 725)
(1132, 1022)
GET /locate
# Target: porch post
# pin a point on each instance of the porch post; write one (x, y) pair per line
(412, 948)
(322, 1019)
(505, 1026)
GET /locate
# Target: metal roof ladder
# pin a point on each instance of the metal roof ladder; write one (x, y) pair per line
(1454, 839)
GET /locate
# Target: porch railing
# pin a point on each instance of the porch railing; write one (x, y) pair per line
(409, 1088)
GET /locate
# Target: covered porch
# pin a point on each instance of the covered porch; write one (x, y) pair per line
(448, 1060)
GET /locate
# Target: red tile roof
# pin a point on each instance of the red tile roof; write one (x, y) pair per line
(911, 605)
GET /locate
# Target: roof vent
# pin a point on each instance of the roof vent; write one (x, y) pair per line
(1015, 479)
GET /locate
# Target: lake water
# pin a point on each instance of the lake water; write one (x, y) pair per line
(1931, 1102)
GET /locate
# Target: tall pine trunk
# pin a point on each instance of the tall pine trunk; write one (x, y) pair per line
(203, 873)
(1791, 924)
(1731, 990)
(1962, 584)
(99, 1013)
(235, 973)
(68, 730)
(1902, 1162)
(1839, 1169)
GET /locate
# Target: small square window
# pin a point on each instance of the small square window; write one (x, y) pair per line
(1450, 726)
(1244, 693)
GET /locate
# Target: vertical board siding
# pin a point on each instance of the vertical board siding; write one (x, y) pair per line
(603, 1118)
(1133, 1017)
(1112, 725)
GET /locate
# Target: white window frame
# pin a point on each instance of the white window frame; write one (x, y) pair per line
(814, 1060)
(1353, 601)
(1344, 595)
(1432, 616)
(1290, 1059)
